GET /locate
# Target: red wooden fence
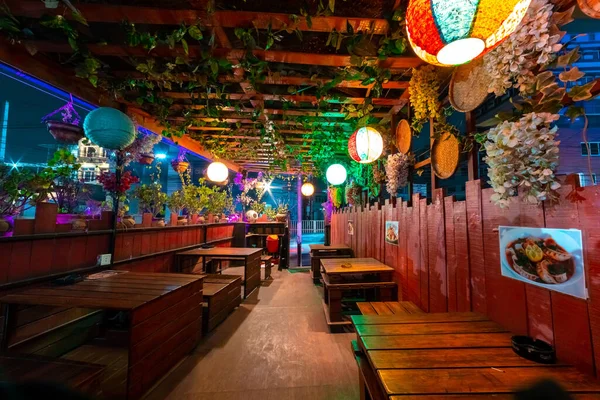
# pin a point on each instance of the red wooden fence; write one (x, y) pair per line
(448, 259)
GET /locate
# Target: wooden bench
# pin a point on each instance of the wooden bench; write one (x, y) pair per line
(78, 376)
(222, 294)
(319, 252)
(388, 307)
(266, 259)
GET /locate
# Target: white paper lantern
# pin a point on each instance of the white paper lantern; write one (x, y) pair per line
(336, 174)
(307, 189)
(217, 172)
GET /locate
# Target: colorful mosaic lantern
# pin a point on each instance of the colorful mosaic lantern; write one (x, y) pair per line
(365, 145)
(453, 32)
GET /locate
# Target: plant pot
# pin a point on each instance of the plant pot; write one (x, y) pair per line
(64, 132)
(79, 224)
(173, 219)
(201, 219)
(126, 222)
(158, 222)
(6, 225)
(182, 220)
(180, 166)
(216, 219)
(66, 218)
(195, 218)
(146, 159)
(281, 217)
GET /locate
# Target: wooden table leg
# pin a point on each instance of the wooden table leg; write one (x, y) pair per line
(335, 305)
(245, 277)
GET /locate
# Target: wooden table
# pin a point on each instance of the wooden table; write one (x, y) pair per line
(249, 255)
(320, 251)
(364, 273)
(449, 356)
(164, 313)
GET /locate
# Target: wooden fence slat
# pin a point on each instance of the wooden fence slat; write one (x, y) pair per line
(461, 249)
(424, 255)
(450, 254)
(414, 252)
(475, 232)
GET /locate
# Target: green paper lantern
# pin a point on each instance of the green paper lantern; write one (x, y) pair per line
(109, 128)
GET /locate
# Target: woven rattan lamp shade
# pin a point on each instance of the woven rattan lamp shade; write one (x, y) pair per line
(452, 32)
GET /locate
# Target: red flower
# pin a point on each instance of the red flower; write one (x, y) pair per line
(109, 182)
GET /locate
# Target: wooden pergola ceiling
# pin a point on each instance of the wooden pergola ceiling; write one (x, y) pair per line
(296, 68)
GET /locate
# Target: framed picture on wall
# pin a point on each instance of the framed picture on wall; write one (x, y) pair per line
(391, 232)
(548, 258)
(350, 228)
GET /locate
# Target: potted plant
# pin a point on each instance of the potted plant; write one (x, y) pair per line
(68, 130)
(180, 163)
(20, 190)
(67, 191)
(270, 212)
(141, 150)
(282, 212)
(197, 198)
(152, 200)
(109, 183)
(176, 203)
(219, 201)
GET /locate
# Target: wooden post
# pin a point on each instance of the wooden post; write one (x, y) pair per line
(472, 162)
(299, 221)
(431, 163)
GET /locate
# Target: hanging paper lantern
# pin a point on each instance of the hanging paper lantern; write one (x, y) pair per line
(217, 172)
(109, 128)
(365, 145)
(336, 174)
(307, 189)
(453, 32)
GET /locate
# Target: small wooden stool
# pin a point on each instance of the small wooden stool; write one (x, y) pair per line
(267, 260)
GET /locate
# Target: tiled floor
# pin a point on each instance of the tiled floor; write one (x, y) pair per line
(276, 345)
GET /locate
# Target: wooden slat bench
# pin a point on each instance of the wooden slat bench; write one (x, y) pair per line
(78, 376)
(388, 307)
(222, 294)
(267, 260)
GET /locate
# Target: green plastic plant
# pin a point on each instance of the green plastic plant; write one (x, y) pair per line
(21, 189)
(177, 201)
(67, 191)
(151, 197)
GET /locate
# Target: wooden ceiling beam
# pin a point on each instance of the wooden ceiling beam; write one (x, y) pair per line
(288, 57)
(107, 13)
(282, 80)
(292, 112)
(283, 97)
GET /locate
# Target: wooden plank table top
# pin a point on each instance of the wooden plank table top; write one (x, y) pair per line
(330, 247)
(333, 266)
(122, 291)
(222, 252)
(454, 356)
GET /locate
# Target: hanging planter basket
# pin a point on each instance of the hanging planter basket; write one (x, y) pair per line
(591, 8)
(445, 154)
(180, 166)
(64, 132)
(403, 136)
(146, 159)
(469, 86)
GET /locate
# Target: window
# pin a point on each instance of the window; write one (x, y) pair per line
(88, 174)
(584, 179)
(90, 152)
(594, 149)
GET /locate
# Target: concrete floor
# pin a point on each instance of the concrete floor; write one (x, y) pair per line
(275, 346)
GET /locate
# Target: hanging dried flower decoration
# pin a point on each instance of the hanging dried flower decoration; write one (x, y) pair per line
(532, 46)
(396, 169)
(523, 155)
(353, 194)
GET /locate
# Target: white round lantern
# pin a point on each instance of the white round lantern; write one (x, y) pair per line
(307, 189)
(217, 172)
(336, 174)
(365, 145)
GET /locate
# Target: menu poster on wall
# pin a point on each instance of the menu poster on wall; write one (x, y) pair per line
(548, 258)
(350, 228)
(391, 232)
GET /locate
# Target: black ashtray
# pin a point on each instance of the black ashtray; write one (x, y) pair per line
(207, 246)
(533, 349)
(67, 280)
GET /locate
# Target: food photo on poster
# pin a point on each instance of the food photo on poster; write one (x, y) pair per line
(548, 258)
